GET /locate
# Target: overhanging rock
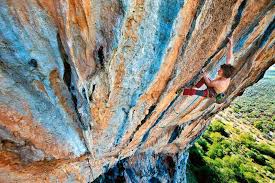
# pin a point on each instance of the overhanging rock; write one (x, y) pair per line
(85, 83)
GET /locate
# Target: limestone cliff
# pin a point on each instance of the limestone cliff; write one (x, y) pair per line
(86, 83)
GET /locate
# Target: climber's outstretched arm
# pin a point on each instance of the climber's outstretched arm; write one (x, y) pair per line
(230, 50)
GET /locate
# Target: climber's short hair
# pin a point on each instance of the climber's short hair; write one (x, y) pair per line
(228, 70)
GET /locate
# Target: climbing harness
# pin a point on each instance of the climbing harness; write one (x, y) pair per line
(220, 97)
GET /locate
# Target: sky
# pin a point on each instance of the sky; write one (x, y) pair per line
(270, 73)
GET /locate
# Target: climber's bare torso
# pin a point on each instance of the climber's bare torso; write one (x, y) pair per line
(220, 84)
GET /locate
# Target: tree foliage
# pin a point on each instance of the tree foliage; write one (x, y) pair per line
(238, 146)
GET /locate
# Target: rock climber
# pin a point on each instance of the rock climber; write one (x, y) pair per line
(216, 87)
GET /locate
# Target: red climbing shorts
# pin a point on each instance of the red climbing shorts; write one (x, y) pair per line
(209, 92)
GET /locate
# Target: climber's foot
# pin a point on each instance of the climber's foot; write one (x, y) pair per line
(180, 90)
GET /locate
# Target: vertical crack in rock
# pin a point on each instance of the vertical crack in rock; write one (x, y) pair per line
(151, 109)
(100, 56)
(67, 77)
(91, 170)
(91, 95)
(84, 93)
(83, 121)
(122, 126)
(176, 133)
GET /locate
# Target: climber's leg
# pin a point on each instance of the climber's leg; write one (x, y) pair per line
(191, 91)
(200, 83)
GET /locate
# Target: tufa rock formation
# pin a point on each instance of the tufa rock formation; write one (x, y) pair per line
(86, 83)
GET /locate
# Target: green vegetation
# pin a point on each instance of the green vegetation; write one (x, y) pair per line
(239, 144)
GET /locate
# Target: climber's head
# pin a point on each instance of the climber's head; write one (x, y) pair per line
(226, 71)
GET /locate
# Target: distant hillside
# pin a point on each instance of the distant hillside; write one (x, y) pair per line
(239, 145)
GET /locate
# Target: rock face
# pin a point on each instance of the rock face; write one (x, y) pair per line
(86, 83)
(148, 167)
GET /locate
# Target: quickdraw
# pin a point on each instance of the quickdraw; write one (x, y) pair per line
(220, 98)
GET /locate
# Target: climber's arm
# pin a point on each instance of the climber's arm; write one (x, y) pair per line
(229, 51)
(208, 82)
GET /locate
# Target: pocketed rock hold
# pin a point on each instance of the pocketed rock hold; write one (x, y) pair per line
(33, 63)
(131, 58)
